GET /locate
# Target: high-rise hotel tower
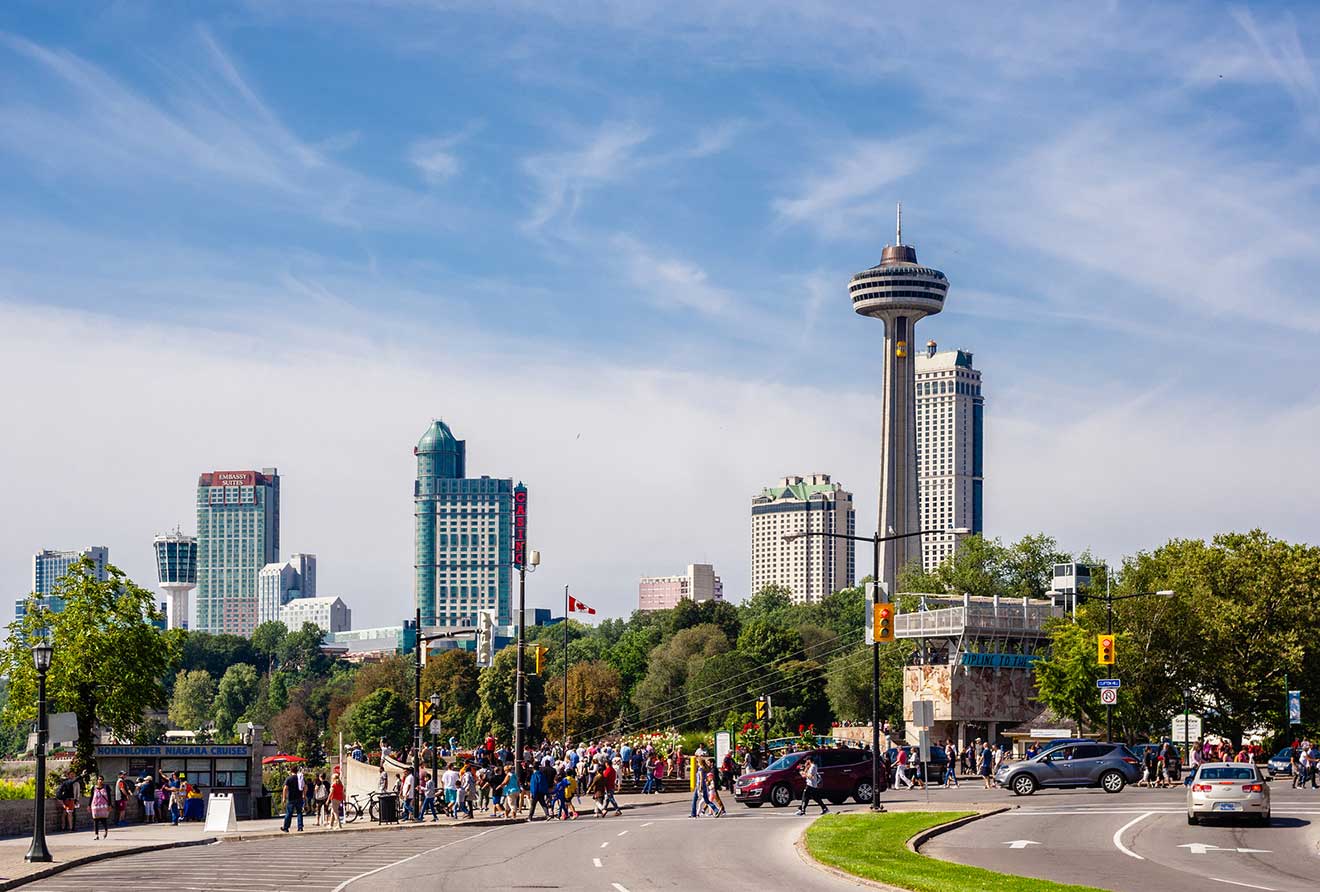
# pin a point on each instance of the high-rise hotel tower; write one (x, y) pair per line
(950, 450)
(238, 533)
(900, 292)
(463, 559)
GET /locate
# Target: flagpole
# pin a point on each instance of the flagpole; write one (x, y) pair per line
(566, 741)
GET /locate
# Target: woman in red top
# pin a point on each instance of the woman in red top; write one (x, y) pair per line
(337, 802)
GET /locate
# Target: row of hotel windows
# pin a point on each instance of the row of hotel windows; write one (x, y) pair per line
(929, 388)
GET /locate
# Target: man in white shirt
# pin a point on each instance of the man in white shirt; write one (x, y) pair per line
(811, 774)
(406, 794)
(449, 780)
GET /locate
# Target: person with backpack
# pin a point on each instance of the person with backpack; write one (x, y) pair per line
(295, 790)
(321, 798)
(123, 792)
(67, 793)
(146, 793)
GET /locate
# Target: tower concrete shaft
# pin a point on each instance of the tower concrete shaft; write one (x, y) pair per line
(899, 292)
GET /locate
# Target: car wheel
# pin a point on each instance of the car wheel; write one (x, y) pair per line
(837, 798)
(1024, 784)
(781, 795)
(753, 804)
(1192, 819)
(1112, 782)
(864, 793)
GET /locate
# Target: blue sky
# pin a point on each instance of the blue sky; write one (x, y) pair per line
(610, 245)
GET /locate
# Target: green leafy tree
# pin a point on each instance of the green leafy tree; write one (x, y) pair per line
(1028, 565)
(193, 700)
(723, 681)
(594, 694)
(631, 653)
(234, 694)
(848, 682)
(268, 641)
(300, 652)
(495, 690)
(765, 641)
(298, 733)
(1065, 677)
(659, 695)
(380, 715)
(215, 653)
(453, 674)
(771, 602)
(394, 673)
(278, 698)
(108, 662)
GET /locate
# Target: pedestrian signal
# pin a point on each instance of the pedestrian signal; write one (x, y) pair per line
(1105, 649)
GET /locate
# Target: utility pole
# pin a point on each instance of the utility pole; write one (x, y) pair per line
(566, 740)
(417, 707)
(519, 705)
(875, 690)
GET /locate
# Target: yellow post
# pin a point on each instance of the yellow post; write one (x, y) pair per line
(692, 774)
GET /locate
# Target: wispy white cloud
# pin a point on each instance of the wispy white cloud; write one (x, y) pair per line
(844, 193)
(564, 177)
(1285, 58)
(435, 158)
(671, 282)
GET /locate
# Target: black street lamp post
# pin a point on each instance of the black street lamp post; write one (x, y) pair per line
(875, 541)
(41, 653)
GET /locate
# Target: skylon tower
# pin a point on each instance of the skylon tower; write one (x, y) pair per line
(900, 292)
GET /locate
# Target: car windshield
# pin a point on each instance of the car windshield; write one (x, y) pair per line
(1283, 755)
(1228, 772)
(784, 762)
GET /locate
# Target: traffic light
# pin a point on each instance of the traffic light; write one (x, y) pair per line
(538, 654)
(1105, 649)
(424, 713)
(485, 639)
(760, 710)
(884, 622)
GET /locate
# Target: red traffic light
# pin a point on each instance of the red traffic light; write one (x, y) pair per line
(884, 613)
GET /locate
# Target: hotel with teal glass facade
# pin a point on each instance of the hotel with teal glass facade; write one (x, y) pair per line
(464, 535)
(47, 569)
(238, 533)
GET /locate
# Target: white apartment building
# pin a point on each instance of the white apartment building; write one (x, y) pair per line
(810, 567)
(950, 449)
(330, 614)
(664, 592)
(280, 583)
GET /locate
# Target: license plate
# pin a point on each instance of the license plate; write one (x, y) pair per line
(1227, 806)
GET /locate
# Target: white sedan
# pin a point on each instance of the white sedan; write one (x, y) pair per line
(1228, 789)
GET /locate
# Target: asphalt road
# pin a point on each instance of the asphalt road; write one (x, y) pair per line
(1071, 836)
(1140, 840)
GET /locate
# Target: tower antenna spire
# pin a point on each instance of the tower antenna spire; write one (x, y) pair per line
(898, 237)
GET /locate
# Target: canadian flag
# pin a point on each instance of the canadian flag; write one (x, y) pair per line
(576, 606)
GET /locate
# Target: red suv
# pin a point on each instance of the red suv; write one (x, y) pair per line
(844, 772)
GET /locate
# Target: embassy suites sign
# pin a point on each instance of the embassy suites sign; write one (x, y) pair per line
(234, 478)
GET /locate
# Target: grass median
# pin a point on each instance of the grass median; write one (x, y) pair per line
(875, 847)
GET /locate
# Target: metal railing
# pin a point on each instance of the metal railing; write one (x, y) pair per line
(1007, 617)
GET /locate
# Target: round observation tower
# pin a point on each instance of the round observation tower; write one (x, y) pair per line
(176, 568)
(900, 292)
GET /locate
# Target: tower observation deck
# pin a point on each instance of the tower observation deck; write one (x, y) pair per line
(900, 292)
(176, 568)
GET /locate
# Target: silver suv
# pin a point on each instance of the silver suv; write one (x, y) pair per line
(1109, 766)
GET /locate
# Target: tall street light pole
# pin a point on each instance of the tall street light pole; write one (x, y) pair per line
(41, 654)
(875, 541)
(520, 710)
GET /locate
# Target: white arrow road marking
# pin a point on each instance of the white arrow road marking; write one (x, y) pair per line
(1200, 848)
(1118, 836)
(1021, 843)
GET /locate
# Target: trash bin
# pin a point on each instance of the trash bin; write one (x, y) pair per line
(263, 807)
(389, 808)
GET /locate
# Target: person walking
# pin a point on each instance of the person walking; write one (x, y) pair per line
(951, 769)
(810, 772)
(611, 775)
(406, 790)
(537, 790)
(337, 799)
(699, 788)
(122, 793)
(295, 791)
(901, 779)
(987, 762)
(321, 798)
(146, 793)
(100, 808)
(713, 780)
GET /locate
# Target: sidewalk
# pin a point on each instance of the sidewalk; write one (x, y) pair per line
(80, 846)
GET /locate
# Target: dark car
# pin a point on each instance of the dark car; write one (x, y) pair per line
(1109, 766)
(1281, 763)
(844, 772)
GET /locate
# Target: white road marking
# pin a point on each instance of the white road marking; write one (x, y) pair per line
(619, 887)
(648, 823)
(1021, 843)
(596, 861)
(1236, 883)
(1118, 836)
(1200, 848)
(622, 832)
(348, 882)
(604, 844)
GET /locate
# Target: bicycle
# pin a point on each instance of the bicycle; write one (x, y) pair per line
(353, 809)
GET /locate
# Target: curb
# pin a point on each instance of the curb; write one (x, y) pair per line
(913, 845)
